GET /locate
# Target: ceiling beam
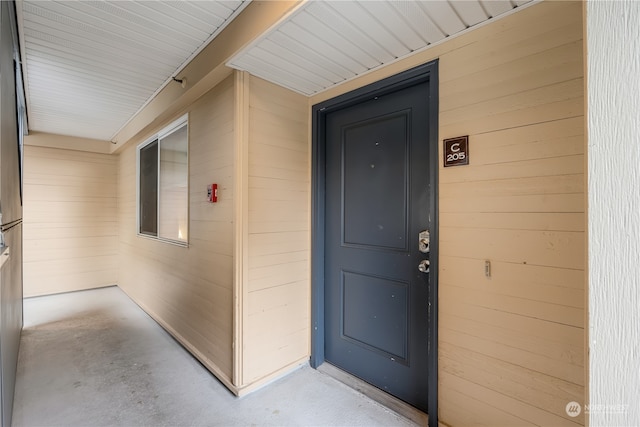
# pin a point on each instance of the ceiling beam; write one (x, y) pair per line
(205, 71)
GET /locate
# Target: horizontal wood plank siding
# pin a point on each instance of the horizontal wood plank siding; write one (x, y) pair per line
(70, 221)
(189, 290)
(277, 318)
(512, 345)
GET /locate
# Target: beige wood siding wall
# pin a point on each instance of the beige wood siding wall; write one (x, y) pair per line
(189, 290)
(70, 222)
(511, 347)
(277, 293)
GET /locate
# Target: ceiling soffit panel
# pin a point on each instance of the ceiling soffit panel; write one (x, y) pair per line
(90, 66)
(325, 43)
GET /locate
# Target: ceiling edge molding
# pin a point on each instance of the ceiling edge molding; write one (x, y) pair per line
(50, 140)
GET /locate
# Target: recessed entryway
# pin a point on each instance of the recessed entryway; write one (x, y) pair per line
(375, 235)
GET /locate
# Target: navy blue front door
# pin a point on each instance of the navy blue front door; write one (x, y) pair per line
(376, 205)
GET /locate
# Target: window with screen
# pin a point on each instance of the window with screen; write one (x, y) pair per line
(163, 184)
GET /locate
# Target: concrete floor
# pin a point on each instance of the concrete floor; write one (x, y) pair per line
(93, 358)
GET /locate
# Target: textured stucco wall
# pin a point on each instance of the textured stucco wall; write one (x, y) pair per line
(613, 88)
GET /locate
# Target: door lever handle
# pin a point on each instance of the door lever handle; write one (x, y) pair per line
(423, 267)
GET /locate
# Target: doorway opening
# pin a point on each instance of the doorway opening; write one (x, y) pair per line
(375, 235)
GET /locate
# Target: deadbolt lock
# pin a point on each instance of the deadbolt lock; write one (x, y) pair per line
(423, 241)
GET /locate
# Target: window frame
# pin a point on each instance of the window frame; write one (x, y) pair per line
(157, 137)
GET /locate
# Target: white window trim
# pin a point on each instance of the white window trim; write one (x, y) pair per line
(156, 137)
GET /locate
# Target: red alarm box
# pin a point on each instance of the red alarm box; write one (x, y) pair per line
(212, 193)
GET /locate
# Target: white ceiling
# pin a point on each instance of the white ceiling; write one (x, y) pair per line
(91, 65)
(328, 42)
